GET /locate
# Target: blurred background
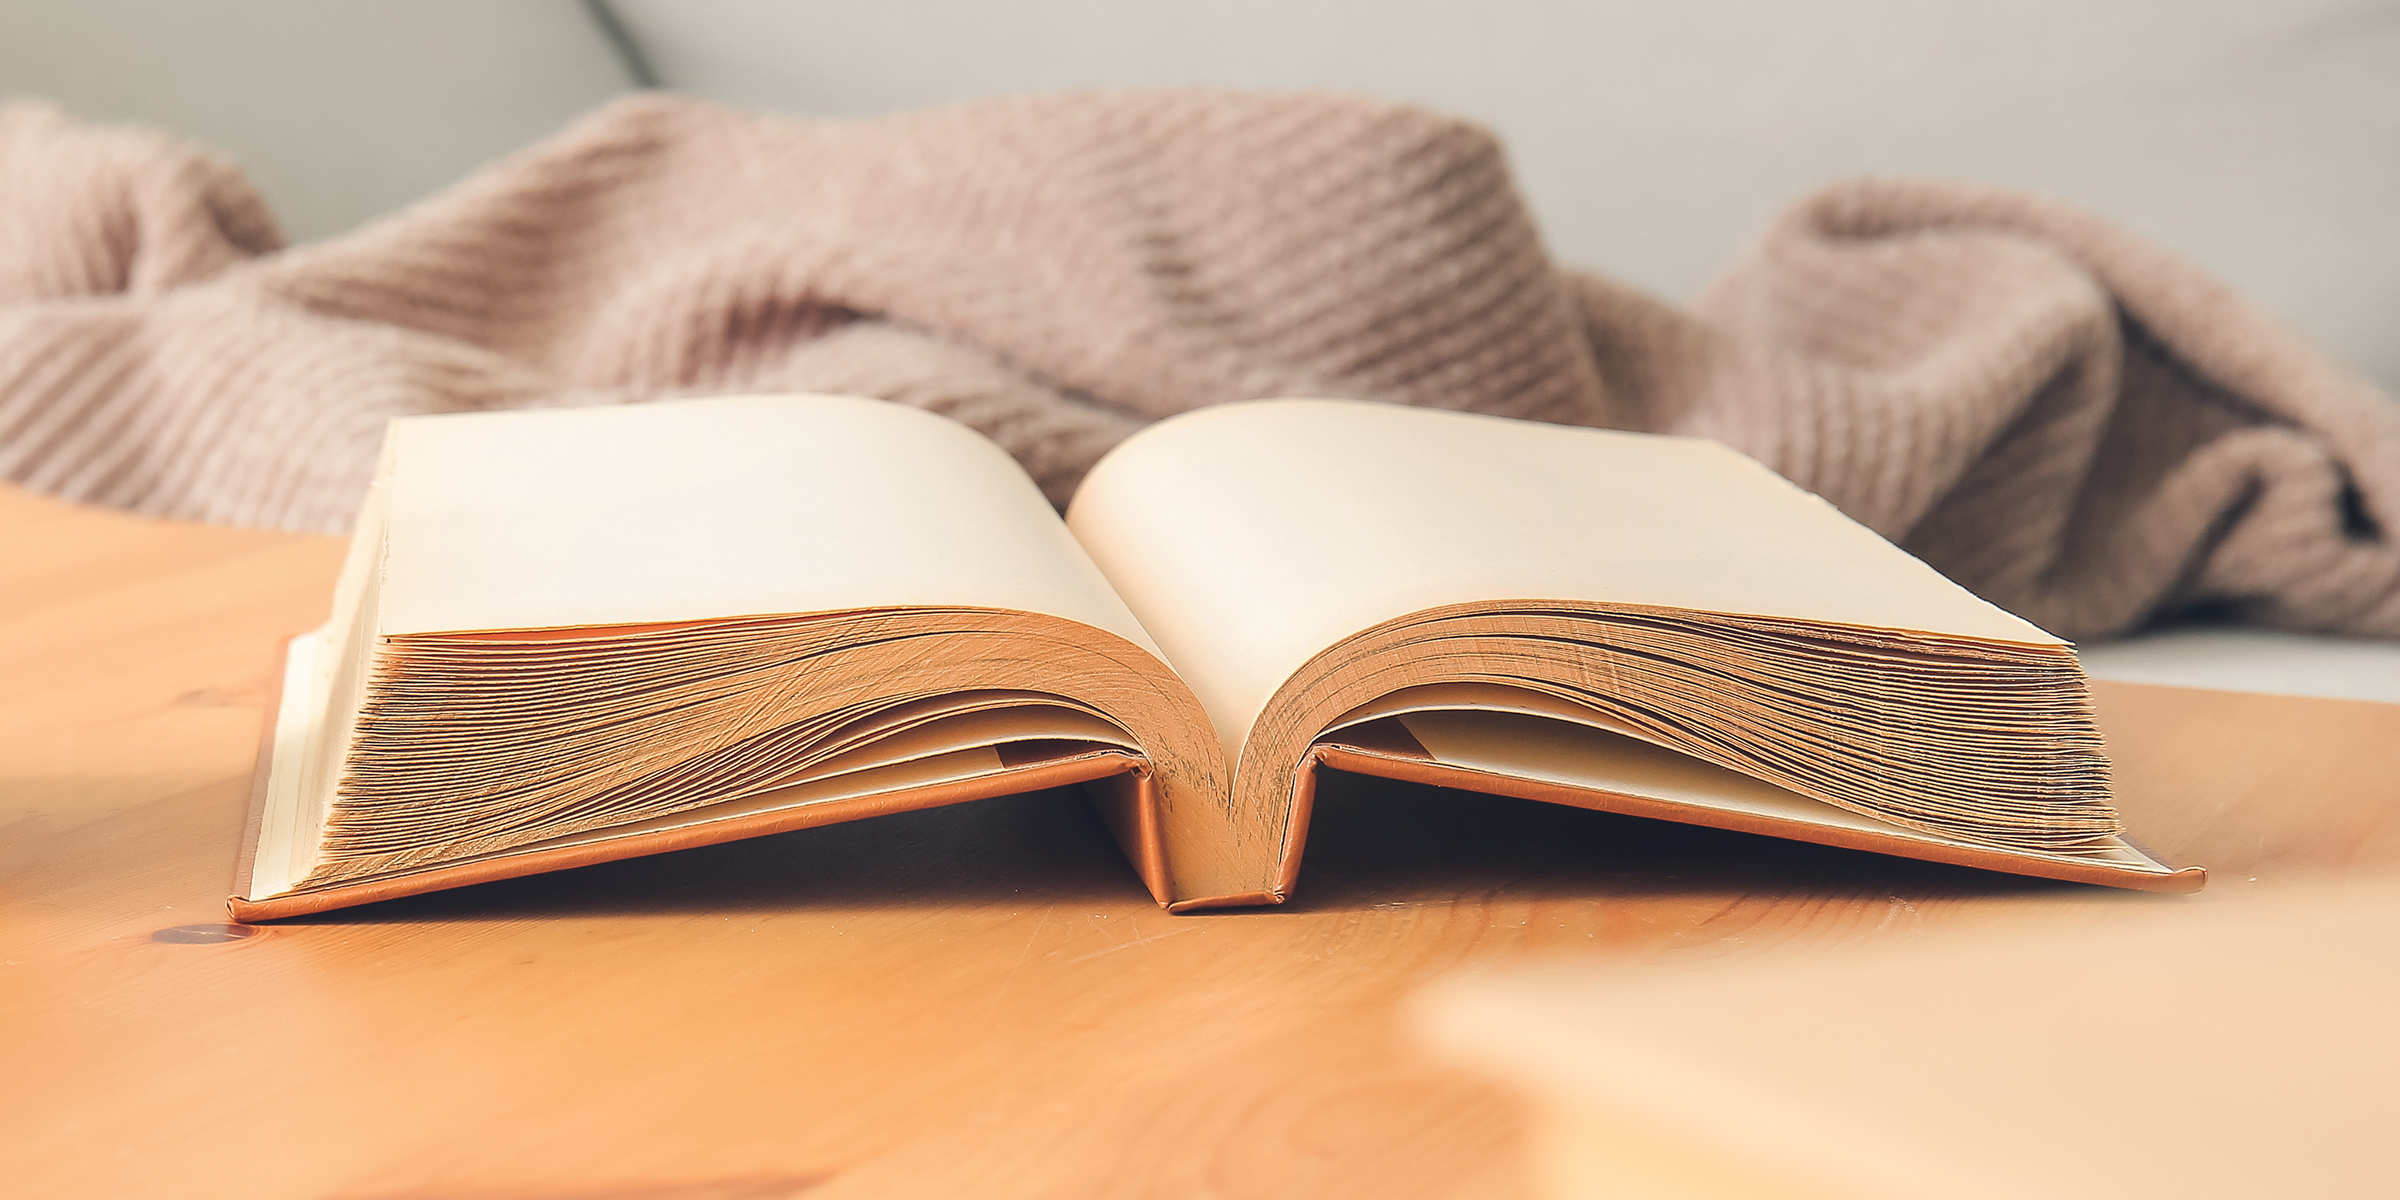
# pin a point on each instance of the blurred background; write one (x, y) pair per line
(1654, 138)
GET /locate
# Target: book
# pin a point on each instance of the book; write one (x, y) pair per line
(569, 636)
(2224, 1050)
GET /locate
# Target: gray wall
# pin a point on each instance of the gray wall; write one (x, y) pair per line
(2260, 138)
(1654, 137)
(341, 110)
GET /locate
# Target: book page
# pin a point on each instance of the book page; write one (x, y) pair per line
(963, 749)
(1584, 753)
(729, 507)
(1247, 538)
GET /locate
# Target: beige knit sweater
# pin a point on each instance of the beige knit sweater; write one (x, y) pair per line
(2062, 417)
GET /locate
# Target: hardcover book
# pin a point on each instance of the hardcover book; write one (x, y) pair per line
(568, 636)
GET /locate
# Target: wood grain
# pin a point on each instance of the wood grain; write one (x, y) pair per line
(971, 1000)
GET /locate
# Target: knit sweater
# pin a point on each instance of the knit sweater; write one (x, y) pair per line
(2062, 417)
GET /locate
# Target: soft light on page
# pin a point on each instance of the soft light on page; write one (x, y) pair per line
(1245, 548)
(727, 507)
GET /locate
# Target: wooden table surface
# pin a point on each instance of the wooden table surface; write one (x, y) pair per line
(969, 1001)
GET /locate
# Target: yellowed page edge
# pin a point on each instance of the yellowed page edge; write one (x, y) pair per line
(940, 751)
(1528, 744)
(1247, 538)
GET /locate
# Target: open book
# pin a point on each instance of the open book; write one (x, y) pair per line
(570, 636)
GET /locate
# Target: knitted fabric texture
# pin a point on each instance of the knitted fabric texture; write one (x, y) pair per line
(2060, 416)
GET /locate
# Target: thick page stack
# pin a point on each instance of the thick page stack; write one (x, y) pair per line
(571, 636)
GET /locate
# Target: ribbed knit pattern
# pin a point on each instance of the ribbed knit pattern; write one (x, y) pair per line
(2061, 416)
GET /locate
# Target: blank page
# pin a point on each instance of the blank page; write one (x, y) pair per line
(701, 509)
(1249, 537)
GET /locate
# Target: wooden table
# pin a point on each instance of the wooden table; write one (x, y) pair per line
(976, 1000)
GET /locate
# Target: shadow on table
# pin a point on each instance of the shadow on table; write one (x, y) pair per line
(1042, 846)
(1372, 843)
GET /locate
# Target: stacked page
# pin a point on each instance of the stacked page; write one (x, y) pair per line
(576, 635)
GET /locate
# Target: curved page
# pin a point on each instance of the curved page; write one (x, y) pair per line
(728, 507)
(1246, 548)
(560, 622)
